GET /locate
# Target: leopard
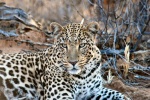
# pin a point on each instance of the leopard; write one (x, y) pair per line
(68, 70)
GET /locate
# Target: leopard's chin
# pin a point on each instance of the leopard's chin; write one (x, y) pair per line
(74, 69)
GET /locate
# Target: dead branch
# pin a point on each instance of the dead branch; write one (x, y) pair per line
(10, 13)
(141, 51)
(146, 33)
(8, 34)
(121, 51)
(139, 68)
(34, 43)
(112, 51)
(142, 77)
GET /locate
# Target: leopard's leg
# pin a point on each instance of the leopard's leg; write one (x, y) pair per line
(54, 90)
(51, 95)
(106, 94)
(15, 83)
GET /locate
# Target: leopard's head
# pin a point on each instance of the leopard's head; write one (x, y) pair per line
(75, 46)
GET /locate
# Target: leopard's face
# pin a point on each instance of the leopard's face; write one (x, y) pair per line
(75, 45)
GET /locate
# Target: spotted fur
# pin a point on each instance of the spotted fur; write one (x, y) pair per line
(69, 70)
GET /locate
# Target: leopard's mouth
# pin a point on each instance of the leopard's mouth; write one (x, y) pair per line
(71, 69)
(74, 70)
(74, 67)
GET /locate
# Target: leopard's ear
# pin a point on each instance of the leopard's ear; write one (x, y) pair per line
(92, 29)
(54, 31)
(55, 28)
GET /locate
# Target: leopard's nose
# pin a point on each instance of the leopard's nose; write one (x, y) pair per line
(73, 63)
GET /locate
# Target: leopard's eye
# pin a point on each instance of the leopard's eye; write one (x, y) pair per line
(64, 45)
(82, 45)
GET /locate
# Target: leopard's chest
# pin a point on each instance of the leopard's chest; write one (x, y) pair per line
(89, 87)
(90, 84)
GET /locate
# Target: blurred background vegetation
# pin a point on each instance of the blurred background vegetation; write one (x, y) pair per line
(62, 11)
(124, 36)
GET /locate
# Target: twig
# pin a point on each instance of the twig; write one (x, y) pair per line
(139, 68)
(7, 34)
(142, 77)
(90, 2)
(141, 51)
(121, 51)
(146, 33)
(112, 51)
